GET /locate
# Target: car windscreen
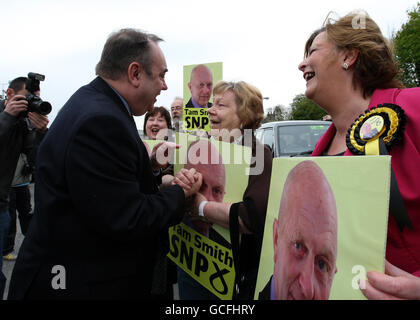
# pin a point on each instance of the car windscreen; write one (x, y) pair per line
(299, 139)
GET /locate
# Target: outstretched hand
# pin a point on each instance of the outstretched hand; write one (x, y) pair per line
(395, 284)
(161, 154)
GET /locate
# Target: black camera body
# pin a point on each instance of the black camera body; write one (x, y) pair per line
(35, 103)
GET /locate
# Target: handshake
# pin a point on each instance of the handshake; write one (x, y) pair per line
(189, 180)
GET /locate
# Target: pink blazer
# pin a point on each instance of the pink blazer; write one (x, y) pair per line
(403, 248)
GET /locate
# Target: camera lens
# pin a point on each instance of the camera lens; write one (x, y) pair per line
(35, 104)
(44, 108)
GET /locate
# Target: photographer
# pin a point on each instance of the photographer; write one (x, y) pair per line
(20, 132)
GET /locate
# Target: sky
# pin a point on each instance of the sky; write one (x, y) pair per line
(260, 42)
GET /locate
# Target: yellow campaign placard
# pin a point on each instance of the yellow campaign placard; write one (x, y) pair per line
(150, 144)
(234, 161)
(203, 259)
(196, 118)
(224, 168)
(198, 82)
(360, 189)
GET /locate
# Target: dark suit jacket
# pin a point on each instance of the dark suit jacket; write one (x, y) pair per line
(190, 104)
(98, 212)
(265, 294)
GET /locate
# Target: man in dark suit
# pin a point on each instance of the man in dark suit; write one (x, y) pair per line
(265, 294)
(201, 87)
(99, 217)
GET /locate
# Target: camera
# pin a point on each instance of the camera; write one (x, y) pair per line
(35, 103)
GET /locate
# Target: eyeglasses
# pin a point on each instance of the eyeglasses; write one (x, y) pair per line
(176, 108)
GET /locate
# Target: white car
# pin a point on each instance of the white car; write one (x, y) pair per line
(291, 138)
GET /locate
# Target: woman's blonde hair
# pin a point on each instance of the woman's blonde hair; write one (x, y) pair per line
(375, 66)
(248, 99)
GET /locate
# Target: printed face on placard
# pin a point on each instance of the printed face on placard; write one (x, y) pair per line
(312, 250)
(305, 236)
(201, 85)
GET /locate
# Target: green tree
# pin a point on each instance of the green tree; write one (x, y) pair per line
(407, 49)
(279, 114)
(304, 109)
(268, 118)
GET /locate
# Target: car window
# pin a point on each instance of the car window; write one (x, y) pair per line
(299, 138)
(259, 134)
(268, 138)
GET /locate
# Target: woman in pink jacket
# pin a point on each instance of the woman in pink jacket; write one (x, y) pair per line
(350, 72)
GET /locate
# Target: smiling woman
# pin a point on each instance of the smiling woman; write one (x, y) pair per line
(350, 72)
(155, 123)
(237, 107)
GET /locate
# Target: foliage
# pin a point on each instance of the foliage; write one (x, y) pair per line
(407, 49)
(303, 108)
(279, 114)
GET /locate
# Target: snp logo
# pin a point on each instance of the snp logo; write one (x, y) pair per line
(58, 282)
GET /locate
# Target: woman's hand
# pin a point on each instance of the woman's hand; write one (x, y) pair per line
(161, 154)
(395, 284)
(200, 224)
(197, 200)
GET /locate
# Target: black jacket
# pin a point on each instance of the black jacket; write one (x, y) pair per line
(191, 105)
(265, 294)
(98, 212)
(15, 138)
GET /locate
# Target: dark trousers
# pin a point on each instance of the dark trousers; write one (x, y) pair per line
(20, 202)
(190, 289)
(4, 226)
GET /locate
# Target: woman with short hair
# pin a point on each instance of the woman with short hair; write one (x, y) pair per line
(236, 112)
(156, 120)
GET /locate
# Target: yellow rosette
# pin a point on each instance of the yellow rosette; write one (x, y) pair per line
(384, 122)
(374, 133)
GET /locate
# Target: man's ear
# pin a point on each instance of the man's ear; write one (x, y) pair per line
(275, 238)
(350, 56)
(10, 93)
(189, 86)
(135, 73)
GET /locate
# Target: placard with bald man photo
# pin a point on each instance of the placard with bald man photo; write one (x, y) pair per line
(199, 80)
(200, 248)
(325, 228)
